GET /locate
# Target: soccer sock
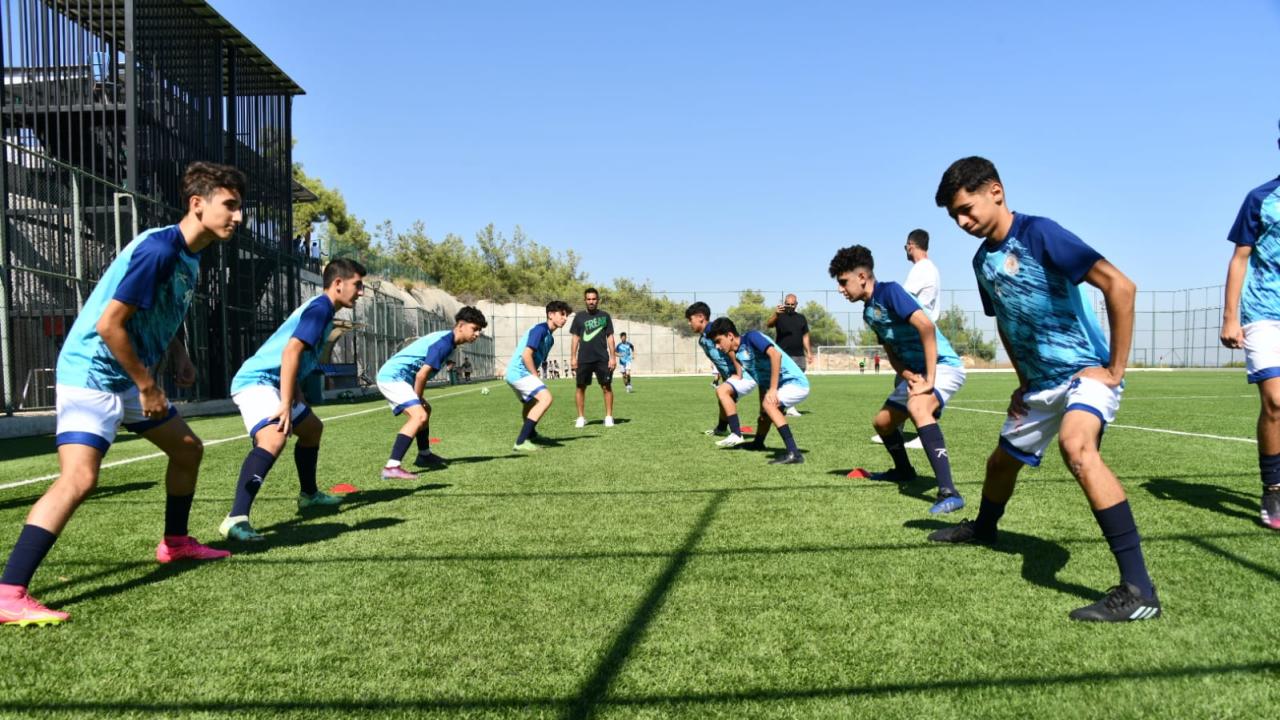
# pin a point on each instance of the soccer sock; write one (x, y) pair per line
(252, 473)
(526, 431)
(177, 511)
(424, 440)
(723, 424)
(785, 432)
(989, 513)
(896, 445)
(762, 430)
(735, 426)
(1270, 467)
(33, 544)
(306, 459)
(1121, 533)
(936, 447)
(399, 448)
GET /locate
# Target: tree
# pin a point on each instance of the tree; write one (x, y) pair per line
(341, 230)
(965, 340)
(824, 329)
(750, 313)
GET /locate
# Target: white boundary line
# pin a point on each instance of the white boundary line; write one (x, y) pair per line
(219, 441)
(1251, 441)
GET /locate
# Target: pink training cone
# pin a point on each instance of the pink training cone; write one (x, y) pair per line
(434, 440)
(344, 488)
(858, 474)
(747, 429)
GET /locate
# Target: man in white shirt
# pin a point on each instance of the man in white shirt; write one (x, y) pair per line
(925, 285)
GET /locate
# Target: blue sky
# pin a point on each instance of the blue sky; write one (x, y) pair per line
(721, 145)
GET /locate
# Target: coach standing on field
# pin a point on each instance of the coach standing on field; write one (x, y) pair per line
(791, 330)
(592, 352)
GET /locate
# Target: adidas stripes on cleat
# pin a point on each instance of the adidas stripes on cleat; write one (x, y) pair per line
(1122, 603)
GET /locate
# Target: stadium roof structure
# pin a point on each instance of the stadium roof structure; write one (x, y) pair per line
(169, 18)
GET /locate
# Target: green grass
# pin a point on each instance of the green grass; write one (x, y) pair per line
(638, 572)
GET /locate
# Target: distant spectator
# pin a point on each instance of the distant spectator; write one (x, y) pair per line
(466, 369)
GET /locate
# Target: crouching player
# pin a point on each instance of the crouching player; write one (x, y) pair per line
(403, 378)
(734, 382)
(786, 384)
(265, 389)
(104, 379)
(931, 371)
(522, 372)
(1029, 271)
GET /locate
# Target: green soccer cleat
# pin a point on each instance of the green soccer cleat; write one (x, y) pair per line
(238, 528)
(525, 446)
(318, 500)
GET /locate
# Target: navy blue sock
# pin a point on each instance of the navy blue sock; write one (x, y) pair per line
(936, 447)
(33, 544)
(1270, 467)
(252, 473)
(896, 445)
(735, 425)
(527, 431)
(989, 513)
(400, 447)
(762, 430)
(722, 424)
(424, 441)
(177, 511)
(1121, 533)
(306, 459)
(785, 432)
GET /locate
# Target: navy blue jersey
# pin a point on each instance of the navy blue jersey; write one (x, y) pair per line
(1258, 226)
(888, 313)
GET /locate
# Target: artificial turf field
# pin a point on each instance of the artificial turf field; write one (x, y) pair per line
(637, 571)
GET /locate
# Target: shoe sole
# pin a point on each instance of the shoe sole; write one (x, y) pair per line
(37, 623)
(936, 510)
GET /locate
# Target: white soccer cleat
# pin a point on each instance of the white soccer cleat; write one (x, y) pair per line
(581, 422)
(792, 412)
(608, 421)
(731, 441)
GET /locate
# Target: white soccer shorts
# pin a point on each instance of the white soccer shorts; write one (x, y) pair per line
(526, 387)
(789, 394)
(1262, 350)
(947, 382)
(399, 395)
(92, 417)
(1026, 437)
(259, 402)
(742, 386)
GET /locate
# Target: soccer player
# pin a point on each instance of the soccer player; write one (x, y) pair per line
(265, 389)
(734, 382)
(625, 352)
(930, 370)
(522, 372)
(592, 352)
(1069, 382)
(403, 379)
(771, 368)
(1251, 320)
(104, 379)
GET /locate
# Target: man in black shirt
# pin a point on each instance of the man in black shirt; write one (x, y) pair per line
(593, 352)
(792, 331)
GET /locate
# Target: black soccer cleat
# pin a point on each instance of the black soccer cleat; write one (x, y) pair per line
(431, 460)
(753, 445)
(791, 458)
(965, 532)
(1270, 513)
(1122, 603)
(893, 475)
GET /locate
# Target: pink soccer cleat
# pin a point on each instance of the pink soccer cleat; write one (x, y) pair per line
(20, 609)
(185, 547)
(397, 473)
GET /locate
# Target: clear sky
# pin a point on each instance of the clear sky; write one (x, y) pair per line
(718, 145)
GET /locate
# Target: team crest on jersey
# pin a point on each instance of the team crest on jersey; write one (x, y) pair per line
(877, 313)
(1011, 265)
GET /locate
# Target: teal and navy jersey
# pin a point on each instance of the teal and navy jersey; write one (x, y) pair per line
(429, 350)
(624, 350)
(156, 274)
(539, 338)
(1258, 226)
(723, 365)
(310, 323)
(1031, 284)
(753, 354)
(888, 312)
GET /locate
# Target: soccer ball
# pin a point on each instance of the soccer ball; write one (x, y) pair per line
(484, 391)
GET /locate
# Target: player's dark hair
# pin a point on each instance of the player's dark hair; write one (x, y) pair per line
(966, 174)
(698, 308)
(342, 268)
(471, 315)
(558, 306)
(622, 334)
(850, 259)
(588, 291)
(721, 326)
(919, 238)
(204, 179)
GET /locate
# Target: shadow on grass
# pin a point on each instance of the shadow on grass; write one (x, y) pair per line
(1041, 559)
(101, 493)
(1242, 562)
(1214, 498)
(572, 707)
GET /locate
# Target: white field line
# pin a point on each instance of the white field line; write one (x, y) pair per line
(1251, 441)
(207, 443)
